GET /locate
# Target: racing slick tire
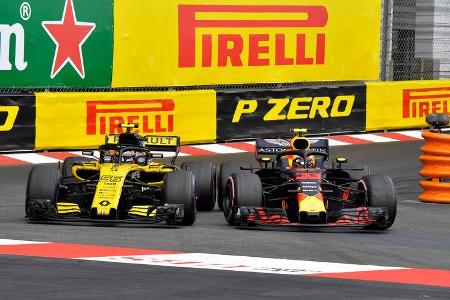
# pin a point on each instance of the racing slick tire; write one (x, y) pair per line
(42, 184)
(381, 193)
(179, 188)
(66, 168)
(241, 189)
(226, 169)
(205, 183)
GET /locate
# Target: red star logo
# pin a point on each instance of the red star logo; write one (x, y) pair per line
(68, 35)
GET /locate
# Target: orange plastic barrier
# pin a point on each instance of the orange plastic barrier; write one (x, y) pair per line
(436, 161)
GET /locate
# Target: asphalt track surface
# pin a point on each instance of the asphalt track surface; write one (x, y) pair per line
(420, 238)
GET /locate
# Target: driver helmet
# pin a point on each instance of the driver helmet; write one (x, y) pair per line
(310, 162)
(298, 162)
(128, 156)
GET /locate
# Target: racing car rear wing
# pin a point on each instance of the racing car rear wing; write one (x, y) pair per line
(162, 143)
(268, 147)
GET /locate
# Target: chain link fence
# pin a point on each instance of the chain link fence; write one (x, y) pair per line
(415, 40)
(415, 45)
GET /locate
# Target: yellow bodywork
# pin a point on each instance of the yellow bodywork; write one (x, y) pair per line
(111, 180)
(67, 208)
(143, 210)
(311, 204)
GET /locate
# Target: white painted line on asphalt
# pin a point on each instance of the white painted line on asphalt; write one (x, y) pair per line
(332, 142)
(33, 158)
(8, 242)
(413, 133)
(239, 263)
(373, 138)
(218, 148)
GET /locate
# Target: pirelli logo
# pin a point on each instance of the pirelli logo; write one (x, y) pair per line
(418, 103)
(152, 116)
(242, 43)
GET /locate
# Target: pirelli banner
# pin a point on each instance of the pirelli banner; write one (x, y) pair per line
(209, 42)
(262, 113)
(17, 122)
(81, 120)
(405, 104)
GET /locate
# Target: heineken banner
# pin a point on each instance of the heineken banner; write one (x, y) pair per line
(263, 113)
(17, 122)
(56, 43)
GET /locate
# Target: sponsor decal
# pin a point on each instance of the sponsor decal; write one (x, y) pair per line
(85, 118)
(161, 141)
(418, 103)
(111, 178)
(249, 114)
(237, 49)
(298, 108)
(68, 35)
(152, 116)
(11, 115)
(104, 203)
(17, 122)
(56, 43)
(6, 33)
(308, 175)
(244, 41)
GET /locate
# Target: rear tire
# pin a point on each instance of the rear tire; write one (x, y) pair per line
(179, 188)
(242, 189)
(381, 193)
(42, 184)
(226, 169)
(205, 183)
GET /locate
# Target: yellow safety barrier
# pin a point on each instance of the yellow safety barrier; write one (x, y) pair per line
(436, 161)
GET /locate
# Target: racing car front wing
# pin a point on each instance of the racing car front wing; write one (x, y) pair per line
(347, 217)
(42, 210)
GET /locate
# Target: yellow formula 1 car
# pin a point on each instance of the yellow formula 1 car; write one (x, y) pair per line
(124, 184)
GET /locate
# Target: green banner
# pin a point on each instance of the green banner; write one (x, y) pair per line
(56, 43)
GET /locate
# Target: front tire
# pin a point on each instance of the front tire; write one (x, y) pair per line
(179, 188)
(242, 189)
(381, 193)
(205, 183)
(42, 184)
(226, 169)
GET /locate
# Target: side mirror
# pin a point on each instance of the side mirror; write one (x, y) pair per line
(87, 152)
(340, 161)
(265, 160)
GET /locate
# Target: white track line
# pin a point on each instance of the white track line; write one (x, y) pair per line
(32, 158)
(412, 133)
(218, 148)
(239, 263)
(332, 142)
(8, 242)
(373, 138)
